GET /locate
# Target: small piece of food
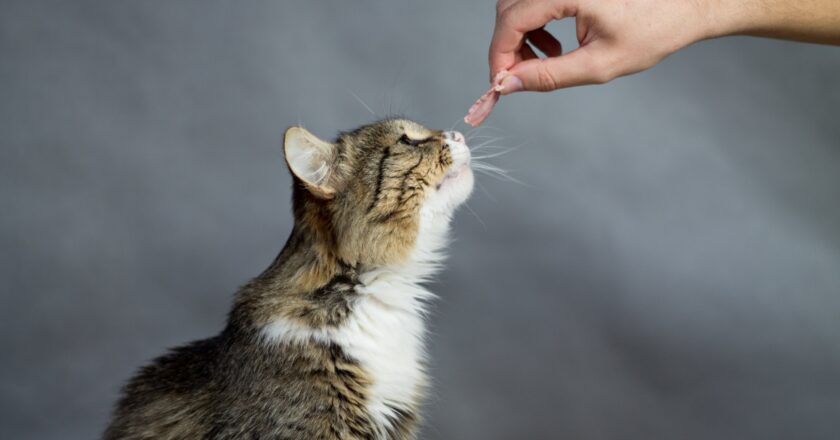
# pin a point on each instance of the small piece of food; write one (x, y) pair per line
(482, 108)
(484, 105)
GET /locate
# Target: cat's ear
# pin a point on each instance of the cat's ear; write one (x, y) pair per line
(311, 160)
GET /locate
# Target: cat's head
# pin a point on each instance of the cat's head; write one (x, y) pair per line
(378, 191)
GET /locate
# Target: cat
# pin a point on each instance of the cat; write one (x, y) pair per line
(327, 342)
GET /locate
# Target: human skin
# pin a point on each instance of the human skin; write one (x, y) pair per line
(622, 37)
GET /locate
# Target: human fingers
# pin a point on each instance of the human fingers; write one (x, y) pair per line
(579, 67)
(513, 22)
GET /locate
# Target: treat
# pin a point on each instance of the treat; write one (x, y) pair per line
(484, 105)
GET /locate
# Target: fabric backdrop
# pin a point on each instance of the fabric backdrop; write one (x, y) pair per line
(669, 268)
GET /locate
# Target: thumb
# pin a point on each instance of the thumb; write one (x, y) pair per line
(576, 68)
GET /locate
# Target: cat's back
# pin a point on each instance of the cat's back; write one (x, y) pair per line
(231, 387)
(170, 397)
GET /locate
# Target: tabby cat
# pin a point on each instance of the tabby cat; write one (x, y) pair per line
(326, 343)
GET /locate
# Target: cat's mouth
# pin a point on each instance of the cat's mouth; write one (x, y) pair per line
(453, 174)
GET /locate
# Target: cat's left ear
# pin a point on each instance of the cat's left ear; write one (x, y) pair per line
(311, 160)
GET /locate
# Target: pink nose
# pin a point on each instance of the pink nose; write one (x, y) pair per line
(456, 136)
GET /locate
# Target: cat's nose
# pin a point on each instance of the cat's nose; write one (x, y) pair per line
(455, 136)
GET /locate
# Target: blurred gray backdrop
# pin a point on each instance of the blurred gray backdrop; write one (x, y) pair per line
(669, 270)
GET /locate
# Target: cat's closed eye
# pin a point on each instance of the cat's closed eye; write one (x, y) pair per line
(404, 139)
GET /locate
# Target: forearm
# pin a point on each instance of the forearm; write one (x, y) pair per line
(815, 21)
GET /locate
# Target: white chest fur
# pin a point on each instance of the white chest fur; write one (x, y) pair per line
(385, 334)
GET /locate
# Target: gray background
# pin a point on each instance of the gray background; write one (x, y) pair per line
(671, 269)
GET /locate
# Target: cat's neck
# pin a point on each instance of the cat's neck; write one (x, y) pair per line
(304, 265)
(307, 278)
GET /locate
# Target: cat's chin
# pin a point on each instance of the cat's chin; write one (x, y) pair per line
(452, 175)
(453, 190)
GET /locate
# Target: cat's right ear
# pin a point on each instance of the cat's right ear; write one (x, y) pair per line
(311, 160)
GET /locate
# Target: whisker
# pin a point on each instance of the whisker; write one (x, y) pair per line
(491, 146)
(487, 142)
(485, 127)
(487, 166)
(488, 138)
(502, 177)
(472, 131)
(492, 149)
(367, 107)
(483, 225)
(479, 136)
(486, 193)
(489, 134)
(393, 89)
(486, 145)
(494, 171)
(484, 140)
(491, 154)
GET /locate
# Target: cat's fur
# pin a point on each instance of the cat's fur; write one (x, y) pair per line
(327, 343)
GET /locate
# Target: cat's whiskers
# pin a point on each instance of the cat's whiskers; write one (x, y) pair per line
(475, 214)
(455, 124)
(489, 148)
(363, 103)
(494, 171)
(492, 154)
(484, 137)
(486, 146)
(392, 90)
(479, 165)
(486, 140)
(473, 131)
(486, 193)
(498, 138)
(479, 129)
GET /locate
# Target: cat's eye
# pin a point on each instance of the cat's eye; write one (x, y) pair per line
(405, 140)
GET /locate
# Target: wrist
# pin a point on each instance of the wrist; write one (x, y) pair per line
(725, 17)
(766, 18)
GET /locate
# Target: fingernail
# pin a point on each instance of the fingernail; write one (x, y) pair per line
(510, 84)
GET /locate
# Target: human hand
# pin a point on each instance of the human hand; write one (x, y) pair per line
(617, 38)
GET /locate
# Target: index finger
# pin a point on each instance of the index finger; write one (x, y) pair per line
(513, 20)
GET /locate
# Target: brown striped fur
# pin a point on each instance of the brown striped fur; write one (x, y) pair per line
(361, 215)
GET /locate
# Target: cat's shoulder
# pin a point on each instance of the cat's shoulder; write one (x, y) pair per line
(182, 369)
